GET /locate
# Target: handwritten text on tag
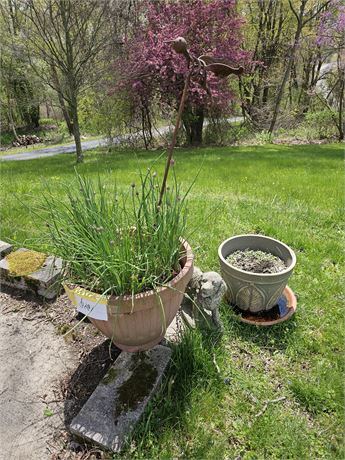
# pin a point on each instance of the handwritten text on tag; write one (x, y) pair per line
(92, 309)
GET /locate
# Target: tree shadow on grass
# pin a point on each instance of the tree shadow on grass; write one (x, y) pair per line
(119, 159)
(275, 338)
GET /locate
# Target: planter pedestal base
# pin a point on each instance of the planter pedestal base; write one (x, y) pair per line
(284, 309)
(143, 347)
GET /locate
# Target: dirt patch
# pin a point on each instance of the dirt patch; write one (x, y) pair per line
(46, 377)
(256, 261)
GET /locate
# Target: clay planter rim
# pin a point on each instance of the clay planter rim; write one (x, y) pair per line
(257, 275)
(119, 301)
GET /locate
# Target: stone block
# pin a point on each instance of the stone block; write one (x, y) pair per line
(5, 248)
(117, 404)
(44, 282)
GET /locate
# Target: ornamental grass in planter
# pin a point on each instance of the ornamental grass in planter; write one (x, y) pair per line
(126, 262)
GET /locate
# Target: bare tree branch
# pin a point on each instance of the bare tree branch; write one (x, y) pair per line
(67, 36)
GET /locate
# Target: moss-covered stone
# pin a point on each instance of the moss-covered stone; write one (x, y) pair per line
(22, 263)
(135, 389)
(117, 404)
(110, 376)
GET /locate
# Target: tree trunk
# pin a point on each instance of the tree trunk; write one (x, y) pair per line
(340, 111)
(146, 125)
(65, 113)
(68, 116)
(62, 104)
(288, 66)
(34, 112)
(11, 119)
(76, 131)
(283, 84)
(13, 126)
(265, 95)
(193, 122)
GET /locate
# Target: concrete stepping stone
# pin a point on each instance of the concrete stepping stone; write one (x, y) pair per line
(5, 248)
(44, 282)
(117, 404)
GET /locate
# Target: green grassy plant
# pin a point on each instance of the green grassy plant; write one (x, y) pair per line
(118, 243)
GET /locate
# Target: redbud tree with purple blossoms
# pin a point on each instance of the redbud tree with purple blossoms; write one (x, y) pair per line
(152, 74)
(331, 29)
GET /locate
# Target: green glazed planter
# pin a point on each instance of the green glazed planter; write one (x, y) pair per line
(255, 292)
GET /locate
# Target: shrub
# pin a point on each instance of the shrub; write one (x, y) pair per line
(223, 132)
(321, 123)
(264, 137)
(47, 122)
(6, 138)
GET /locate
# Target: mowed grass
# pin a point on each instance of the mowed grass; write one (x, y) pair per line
(292, 193)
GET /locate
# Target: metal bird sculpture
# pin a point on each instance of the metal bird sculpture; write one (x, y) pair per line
(197, 69)
(179, 45)
(219, 66)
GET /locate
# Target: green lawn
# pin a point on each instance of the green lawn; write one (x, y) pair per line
(292, 193)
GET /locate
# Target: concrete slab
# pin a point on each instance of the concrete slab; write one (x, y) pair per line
(119, 401)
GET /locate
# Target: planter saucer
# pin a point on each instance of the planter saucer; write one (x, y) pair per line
(284, 309)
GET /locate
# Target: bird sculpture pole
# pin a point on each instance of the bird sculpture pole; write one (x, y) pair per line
(200, 66)
(180, 46)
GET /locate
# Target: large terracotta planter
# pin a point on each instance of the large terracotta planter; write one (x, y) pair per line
(136, 323)
(255, 292)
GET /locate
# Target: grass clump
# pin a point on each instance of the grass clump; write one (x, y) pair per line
(21, 263)
(117, 243)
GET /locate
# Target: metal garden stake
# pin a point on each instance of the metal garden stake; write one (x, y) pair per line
(197, 67)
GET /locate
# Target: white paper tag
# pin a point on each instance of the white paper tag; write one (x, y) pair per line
(92, 309)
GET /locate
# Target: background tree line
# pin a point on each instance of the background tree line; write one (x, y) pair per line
(107, 67)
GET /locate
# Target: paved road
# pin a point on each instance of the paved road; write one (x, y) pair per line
(86, 145)
(51, 151)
